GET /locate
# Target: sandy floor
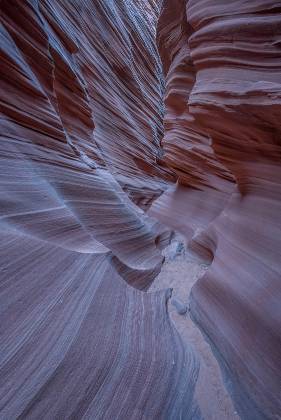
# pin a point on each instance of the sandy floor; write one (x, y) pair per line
(180, 271)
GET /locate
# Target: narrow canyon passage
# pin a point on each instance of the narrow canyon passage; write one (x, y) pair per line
(180, 272)
(140, 152)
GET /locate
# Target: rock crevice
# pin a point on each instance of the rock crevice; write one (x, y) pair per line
(100, 159)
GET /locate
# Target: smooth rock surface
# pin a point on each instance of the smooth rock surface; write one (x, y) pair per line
(81, 89)
(222, 63)
(91, 184)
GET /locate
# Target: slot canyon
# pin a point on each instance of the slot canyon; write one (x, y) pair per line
(140, 199)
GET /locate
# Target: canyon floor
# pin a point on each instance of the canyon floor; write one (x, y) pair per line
(179, 272)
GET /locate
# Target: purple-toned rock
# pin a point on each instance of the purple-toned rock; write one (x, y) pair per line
(81, 122)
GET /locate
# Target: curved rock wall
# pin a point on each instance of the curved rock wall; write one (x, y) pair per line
(83, 158)
(81, 86)
(222, 121)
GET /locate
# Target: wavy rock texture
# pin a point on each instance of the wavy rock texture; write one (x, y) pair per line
(81, 163)
(222, 63)
(81, 121)
(204, 184)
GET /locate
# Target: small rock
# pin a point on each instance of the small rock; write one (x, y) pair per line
(180, 306)
(180, 248)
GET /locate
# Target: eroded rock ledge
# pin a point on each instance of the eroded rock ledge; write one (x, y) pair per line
(223, 135)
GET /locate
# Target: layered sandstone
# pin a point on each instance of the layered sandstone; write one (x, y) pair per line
(81, 122)
(223, 131)
(84, 156)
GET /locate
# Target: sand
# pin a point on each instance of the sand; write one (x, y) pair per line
(180, 271)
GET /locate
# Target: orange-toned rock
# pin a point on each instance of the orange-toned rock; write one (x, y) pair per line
(223, 110)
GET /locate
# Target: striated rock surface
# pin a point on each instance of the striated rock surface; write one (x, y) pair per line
(223, 111)
(203, 184)
(81, 121)
(91, 184)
